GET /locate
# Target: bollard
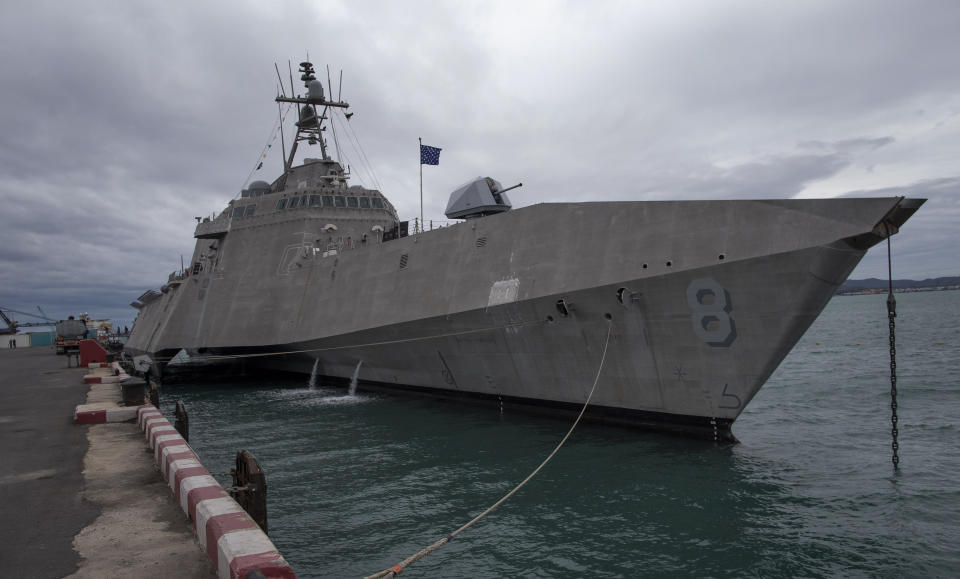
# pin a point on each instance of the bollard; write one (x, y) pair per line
(134, 390)
(154, 394)
(128, 368)
(250, 488)
(182, 421)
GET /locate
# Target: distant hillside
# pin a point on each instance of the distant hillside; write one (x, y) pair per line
(852, 285)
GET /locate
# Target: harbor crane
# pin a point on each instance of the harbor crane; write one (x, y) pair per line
(12, 326)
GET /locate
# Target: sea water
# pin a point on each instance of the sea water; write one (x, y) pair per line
(358, 483)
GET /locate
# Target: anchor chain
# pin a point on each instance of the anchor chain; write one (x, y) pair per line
(891, 316)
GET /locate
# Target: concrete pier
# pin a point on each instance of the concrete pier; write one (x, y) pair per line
(81, 500)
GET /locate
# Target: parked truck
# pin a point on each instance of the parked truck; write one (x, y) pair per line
(69, 334)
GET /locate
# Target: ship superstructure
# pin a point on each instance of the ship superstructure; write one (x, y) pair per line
(702, 299)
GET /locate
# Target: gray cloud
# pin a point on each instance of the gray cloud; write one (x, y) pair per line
(926, 246)
(121, 122)
(849, 146)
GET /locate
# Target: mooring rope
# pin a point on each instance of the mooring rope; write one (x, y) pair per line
(349, 346)
(891, 316)
(399, 567)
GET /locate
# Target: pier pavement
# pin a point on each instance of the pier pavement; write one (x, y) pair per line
(83, 501)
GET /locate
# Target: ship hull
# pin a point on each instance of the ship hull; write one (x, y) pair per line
(694, 305)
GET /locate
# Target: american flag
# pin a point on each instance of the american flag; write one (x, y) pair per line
(429, 155)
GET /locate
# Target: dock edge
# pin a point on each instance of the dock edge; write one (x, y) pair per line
(231, 539)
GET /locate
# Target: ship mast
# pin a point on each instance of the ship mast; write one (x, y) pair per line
(310, 126)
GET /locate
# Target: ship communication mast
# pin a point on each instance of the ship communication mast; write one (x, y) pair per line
(310, 126)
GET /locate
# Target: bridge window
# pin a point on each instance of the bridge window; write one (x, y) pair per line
(377, 202)
(340, 201)
(250, 210)
(352, 202)
(328, 200)
(237, 212)
(314, 201)
(364, 203)
(281, 204)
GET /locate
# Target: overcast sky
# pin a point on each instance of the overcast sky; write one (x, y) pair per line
(122, 120)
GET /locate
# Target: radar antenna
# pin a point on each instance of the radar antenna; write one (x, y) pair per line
(310, 126)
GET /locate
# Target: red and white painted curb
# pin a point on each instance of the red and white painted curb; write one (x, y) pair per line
(103, 412)
(113, 373)
(232, 540)
(100, 412)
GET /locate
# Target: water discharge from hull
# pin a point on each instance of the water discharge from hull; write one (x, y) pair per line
(313, 375)
(353, 379)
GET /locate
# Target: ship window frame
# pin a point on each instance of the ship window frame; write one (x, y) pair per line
(339, 201)
(328, 200)
(376, 202)
(316, 201)
(364, 203)
(237, 212)
(281, 204)
(352, 203)
(250, 209)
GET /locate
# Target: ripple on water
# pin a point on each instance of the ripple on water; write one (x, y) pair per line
(359, 483)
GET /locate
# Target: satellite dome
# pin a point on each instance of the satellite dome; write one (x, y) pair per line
(260, 187)
(314, 91)
(256, 189)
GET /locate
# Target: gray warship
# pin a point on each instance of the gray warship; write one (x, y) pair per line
(702, 299)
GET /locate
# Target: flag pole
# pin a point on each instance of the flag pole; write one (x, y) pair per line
(420, 154)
